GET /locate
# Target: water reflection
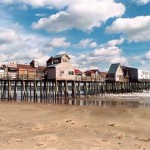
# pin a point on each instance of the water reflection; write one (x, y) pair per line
(112, 103)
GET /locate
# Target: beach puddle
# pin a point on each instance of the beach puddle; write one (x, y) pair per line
(112, 103)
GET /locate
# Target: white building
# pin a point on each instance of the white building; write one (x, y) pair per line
(115, 73)
(143, 74)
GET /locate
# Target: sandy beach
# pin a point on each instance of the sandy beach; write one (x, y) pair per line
(25, 126)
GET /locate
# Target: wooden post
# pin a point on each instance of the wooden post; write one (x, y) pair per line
(73, 92)
(2, 90)
(21, 83)
(66, 93)
(41, 93)
(15, 90)
(56, 91)
(79, 89)
(30, 91)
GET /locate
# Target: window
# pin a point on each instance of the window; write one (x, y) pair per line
(71, 73)
(56, 61)
(62, 72)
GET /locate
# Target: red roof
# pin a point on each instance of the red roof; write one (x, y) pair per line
(93, 71)
(77, 71)
(26, 66)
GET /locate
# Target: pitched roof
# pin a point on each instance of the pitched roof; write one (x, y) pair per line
(94, 70)
(49, 60)
(57, 56)
(27, 66)
(113, 68)
(61, 55)
(77, 71)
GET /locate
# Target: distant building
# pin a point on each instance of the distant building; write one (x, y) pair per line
(59, 68)
(115, 73)
(78, 74)
(103, 76)
(11, 70)
(26, 71)
(93, 75)
(2, 72)
(143, 75)
(40, 70)
(30, 71)
(130, 73)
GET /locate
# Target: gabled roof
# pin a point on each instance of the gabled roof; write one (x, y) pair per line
(77, 71)
(57, 56)
(61, 55)
(113, 68)
(94, 70)
(49, 60)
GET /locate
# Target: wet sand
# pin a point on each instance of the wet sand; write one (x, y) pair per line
(25, 126)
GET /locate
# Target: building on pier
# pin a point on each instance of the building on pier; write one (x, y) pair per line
(127, 74)
(131, 73)
(103, 76)
(115, 73)
(143, 75)
(11, 70)
(93, 75)
(2, 72)
(26, 71)
(31, 71)
(78, 74)
(59, 68)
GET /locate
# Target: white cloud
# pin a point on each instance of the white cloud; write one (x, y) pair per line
(80, 14)
(87, 43)
(147, 55)
(109, 54)
(99, 58)
(59, 42)
(115, 42)
(22, 47)
(62, 52)
(136, 29)
(40, 15)
(8, 36)
(141, 2)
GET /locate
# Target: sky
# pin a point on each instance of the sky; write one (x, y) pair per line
(94, 33)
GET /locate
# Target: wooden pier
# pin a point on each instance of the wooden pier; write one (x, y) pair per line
(62, 91)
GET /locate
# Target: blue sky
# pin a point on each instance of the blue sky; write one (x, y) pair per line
(94, 33)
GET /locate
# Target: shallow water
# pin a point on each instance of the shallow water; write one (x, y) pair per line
(134, 100)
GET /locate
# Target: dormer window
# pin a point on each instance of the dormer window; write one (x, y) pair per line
(56, 61)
